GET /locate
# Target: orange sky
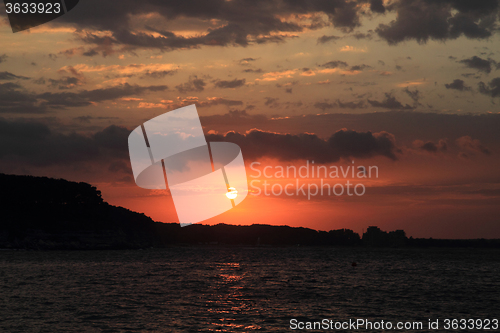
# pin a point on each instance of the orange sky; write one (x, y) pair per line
(372, 81)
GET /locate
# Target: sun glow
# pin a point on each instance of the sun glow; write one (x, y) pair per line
(231, 193)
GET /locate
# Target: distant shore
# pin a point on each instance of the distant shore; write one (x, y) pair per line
(54, 214)
(164, 235)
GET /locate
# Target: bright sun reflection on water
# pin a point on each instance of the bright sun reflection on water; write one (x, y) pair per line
(237, 289)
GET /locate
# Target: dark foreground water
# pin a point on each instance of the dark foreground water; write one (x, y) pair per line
(241, 289)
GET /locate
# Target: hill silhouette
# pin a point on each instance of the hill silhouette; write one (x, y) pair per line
(41, 212)
(46, 213)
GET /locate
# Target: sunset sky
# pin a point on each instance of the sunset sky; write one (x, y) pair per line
(409, 86)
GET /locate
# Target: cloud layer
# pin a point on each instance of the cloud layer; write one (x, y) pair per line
(287, 147)
(16, 99)
(244, 22)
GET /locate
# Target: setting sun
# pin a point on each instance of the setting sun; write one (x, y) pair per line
(232, 193)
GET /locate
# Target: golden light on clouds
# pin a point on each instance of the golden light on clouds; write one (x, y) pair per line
(348, 48)
(412, 83)
(273, 76)
(122, 69)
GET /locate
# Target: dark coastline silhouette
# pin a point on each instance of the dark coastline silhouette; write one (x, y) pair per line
(44, 213)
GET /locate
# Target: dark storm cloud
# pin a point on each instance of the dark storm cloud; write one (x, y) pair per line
(15, 99)
(492, 88)
(482, 65)
(472, 145)
(3, 58)
(422, 20)
(360, 35)
(274, 21)
(157, 74)
(325, 105)
(390, 102)
(230, 84)
(430, 146)
(377, 6)
(357, 35)
(351, 105)
(33, 143)
(360, 67)
(194, 84)
(458, 84)
(72, 52)
(246, 22)
(414, 95)
(40, 80)
(246, 61)
(87, 119)
(325, 39)
(90, 53)
(6, 76)
(86, 97)
(407, 126)
(250, 70)
(287, 147)
(307, 71)
(335, 64)
(84, 119)
(271, 102)
(338, 104)
(223, 36)
(66, 82)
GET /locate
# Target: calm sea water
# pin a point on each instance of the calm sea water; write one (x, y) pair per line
(241, 289)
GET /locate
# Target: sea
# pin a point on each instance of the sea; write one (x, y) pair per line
(247, 289)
